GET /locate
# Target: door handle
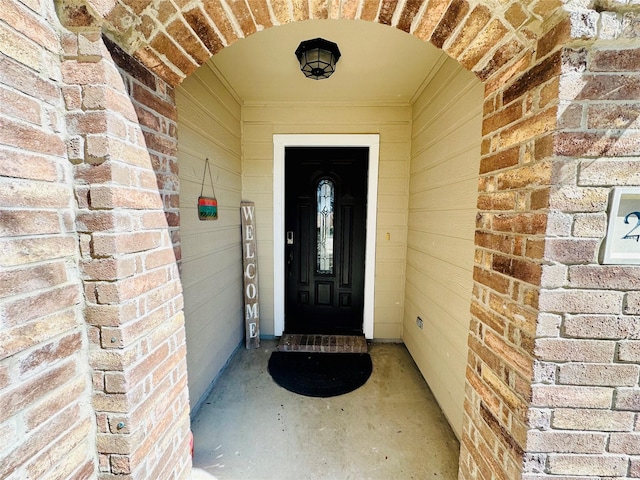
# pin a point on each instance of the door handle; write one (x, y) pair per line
(290, 237)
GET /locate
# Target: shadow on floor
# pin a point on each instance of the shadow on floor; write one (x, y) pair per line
(249, 428)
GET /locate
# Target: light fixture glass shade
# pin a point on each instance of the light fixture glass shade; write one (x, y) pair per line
(318, 58)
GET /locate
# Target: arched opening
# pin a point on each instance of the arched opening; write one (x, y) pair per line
(426, 111)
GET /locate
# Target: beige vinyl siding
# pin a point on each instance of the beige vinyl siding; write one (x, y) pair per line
(209, 125)
(445, 156)
(392, 123)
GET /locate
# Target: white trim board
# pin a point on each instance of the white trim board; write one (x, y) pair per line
(280, 143)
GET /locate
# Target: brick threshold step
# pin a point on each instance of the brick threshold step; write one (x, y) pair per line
(296, 342)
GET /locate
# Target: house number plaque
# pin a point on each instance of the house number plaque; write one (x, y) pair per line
(622, 244)
(250, 276)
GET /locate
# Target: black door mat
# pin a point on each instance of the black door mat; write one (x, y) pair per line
(296, 342)
(320, 375)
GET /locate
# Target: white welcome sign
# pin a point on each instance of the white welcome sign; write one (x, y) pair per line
(250, 268)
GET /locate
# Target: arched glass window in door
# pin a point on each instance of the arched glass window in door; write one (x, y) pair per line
(325, 199)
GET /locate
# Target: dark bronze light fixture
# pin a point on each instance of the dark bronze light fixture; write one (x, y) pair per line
(318, 58)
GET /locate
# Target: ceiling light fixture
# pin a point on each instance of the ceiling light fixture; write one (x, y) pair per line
(318, 58)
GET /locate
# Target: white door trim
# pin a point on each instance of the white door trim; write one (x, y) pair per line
(280, 142)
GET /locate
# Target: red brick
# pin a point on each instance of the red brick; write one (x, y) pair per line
(43, 357)
(22, 337)
(618, 60)
(610, 87)
(20, 251)
(524, 223)
(102, 196)
(129, 288)
(521, 362)
(34, 389)
(165, 44)
(557, 35)
(216, 11)
(517, 268)
(502, 118)
(75, 391)
(108, 268)
(201, 26)
(20, 106)
(482, 43)
(529, 128)
(451, 19)
(157, 66)
(26, 280)
(28, 81)
(492, 280)
(572, 251)
(497, 201)
(43, 448)
(117, 244)
(501, 57)
(243, 16)
(409, 12)
(430, 18)
(526, 176)
(29, 166)
(534, 77)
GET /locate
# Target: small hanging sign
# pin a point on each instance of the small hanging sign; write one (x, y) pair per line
(207, 206)
(250, 276)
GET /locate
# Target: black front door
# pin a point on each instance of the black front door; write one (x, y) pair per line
(325, 222)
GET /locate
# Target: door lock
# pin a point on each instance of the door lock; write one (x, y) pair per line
(289, 237)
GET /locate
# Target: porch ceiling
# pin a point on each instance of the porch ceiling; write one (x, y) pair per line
(379, 64)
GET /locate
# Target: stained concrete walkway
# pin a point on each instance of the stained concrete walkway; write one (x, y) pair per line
(391, 428)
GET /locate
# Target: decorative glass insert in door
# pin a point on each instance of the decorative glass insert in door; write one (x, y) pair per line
(325, 197)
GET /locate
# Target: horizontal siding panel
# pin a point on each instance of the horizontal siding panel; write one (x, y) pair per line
(209, 127)
(448, 280)
(445, 151)
(430, 150)
(439, 222)
(432, 355)
(456, 251)
(438, 322)
(459, 194)
(388, 330)
(326, 114)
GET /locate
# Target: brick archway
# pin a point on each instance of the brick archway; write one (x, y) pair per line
(173, 43)
(523, 368)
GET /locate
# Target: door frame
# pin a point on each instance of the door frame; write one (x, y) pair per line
(280, 143)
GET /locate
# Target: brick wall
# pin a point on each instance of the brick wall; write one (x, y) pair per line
(515, 170)
(585, 393)
(122, 144)
(47, 428)
(90, 213)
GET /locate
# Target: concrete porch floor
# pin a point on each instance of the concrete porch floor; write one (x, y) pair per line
(249, 428)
